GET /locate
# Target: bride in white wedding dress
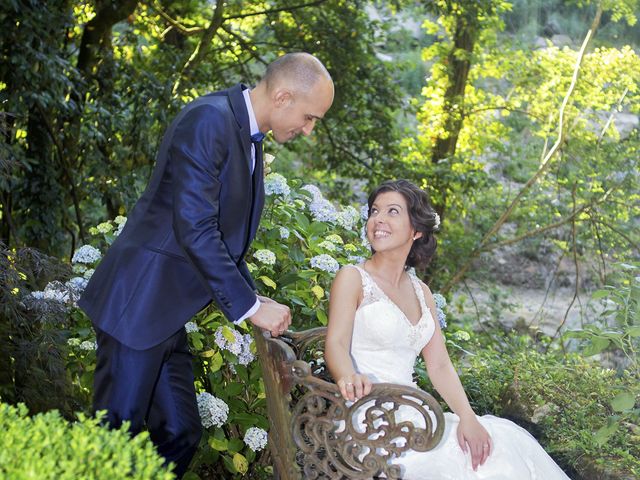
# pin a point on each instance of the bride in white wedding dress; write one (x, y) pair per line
(381, 316)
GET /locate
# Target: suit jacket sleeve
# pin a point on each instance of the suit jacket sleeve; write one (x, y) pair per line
(198, 151)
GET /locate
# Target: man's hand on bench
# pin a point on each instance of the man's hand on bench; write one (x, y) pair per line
(272, 316)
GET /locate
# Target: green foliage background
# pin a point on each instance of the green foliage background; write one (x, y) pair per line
(468, 106)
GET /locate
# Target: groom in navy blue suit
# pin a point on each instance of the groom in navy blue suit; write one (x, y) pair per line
(184, 245)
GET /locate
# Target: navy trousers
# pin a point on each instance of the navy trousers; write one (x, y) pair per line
(152, 388)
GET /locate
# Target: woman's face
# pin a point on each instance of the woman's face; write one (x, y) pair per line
(389, 225)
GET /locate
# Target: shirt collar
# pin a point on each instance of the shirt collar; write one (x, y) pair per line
(253, 123)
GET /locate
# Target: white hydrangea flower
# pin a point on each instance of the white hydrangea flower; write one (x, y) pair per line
(284, 233)
(104, 227)
(337, 239)
(348, 218)
(241, 345)
(276, 184)
(234, 347)
(38, 295)
(73, 342)
(364, 212)
(325, 262)
(463, 336)
(436, 226)
(88, 273)
(56, 291)
(120, 228)
(326, 245)
(213, 411)
(265, 256)
(246, 356)
(191, 327)
(364, 238)
(88, 345)
(78, 268)
(255, 438)
(86, 254)
(120, 220)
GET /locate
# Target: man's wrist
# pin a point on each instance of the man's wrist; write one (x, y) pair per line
(249, 312)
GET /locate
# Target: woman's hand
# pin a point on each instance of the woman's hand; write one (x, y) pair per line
(471, 433)
(355, 386)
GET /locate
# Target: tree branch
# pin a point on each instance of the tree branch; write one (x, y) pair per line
(514, 110)
(610, 119)
(623, 235)
(551, 226)
(576, 290)
(186, 31)
(346, 151)
(276, 10)
(203, 46)
(245, 45)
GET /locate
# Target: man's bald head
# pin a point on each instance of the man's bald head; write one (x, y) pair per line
(294, 94)
(296, 71)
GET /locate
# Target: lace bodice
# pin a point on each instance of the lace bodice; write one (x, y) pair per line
(381, 333)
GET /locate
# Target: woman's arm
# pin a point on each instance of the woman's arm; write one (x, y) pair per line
(343, 303)
(446, 381)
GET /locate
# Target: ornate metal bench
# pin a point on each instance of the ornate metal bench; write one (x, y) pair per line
(315, 433)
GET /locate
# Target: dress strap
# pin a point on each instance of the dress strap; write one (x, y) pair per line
(367, 282)
(418, 289)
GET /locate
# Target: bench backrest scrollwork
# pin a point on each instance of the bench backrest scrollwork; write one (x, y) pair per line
(315, 433)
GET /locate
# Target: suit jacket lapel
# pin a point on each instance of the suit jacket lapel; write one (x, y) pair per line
(239, 108)
(258, 192)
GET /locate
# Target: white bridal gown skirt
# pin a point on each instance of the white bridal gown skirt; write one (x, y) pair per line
(516, 455)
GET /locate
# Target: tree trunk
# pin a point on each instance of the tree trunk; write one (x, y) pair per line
(459, 62)
(95, 47)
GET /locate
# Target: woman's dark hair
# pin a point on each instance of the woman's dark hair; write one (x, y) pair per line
(423, 219)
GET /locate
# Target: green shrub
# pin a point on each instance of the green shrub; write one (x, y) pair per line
(46, 446)
(568, 401)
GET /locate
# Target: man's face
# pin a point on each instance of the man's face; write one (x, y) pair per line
(296, 113)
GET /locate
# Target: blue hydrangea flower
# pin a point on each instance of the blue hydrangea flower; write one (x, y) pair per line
(364, 212)
(255, 438)
(441, 302)
(284, 233)
(276, 184)
(191, 327)
(313, 190)
(213, 411)
(348, 218)
(322, 210)
(86, 254)
(325, 263)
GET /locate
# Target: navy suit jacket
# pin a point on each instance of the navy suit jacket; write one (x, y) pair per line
(184, 242)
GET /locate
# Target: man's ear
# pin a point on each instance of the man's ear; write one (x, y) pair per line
(282, 97)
